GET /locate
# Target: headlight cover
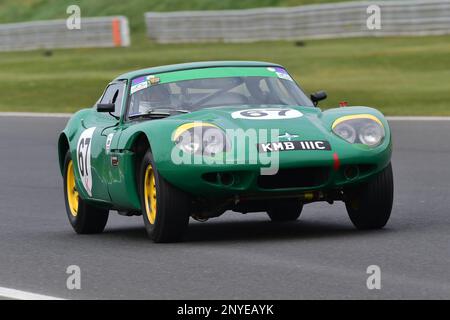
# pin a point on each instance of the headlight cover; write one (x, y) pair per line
(362, 128)
(201, 138)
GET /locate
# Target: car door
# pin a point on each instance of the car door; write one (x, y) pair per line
(96, 145)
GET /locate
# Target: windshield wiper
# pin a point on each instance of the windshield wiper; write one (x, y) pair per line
(157, 113)
(151, 114)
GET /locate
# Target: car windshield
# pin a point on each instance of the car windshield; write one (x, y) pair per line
(150, 94)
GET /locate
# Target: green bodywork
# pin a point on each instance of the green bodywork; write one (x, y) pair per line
(116, 187)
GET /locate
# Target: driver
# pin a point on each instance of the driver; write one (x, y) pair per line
(253, 85)
(144, 101)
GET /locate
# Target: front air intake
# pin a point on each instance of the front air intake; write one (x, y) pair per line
(295, 178)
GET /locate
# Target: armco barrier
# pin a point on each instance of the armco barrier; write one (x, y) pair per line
(334, 20)
(51, 34)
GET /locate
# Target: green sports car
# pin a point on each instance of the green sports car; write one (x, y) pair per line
(197, 139)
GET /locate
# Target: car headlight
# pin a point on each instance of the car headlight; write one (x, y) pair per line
(362, 128)
(201, 138)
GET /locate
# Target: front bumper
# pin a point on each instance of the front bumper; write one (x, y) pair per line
(298, 172)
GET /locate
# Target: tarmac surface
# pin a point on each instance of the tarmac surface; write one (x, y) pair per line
(235, 256)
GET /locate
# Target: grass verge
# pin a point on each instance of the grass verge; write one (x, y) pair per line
(399, 76)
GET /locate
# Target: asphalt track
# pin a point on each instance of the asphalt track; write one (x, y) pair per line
(235, 256)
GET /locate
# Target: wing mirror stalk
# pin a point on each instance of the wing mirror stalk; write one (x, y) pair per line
(106, 107)
(318, 96)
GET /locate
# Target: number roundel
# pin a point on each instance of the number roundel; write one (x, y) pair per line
(267, 114)
(254, 113)
(84, 159)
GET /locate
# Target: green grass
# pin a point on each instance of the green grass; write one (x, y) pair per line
(400, 76)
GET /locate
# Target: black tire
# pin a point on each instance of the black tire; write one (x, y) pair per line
(369, 205)
(285, 210)
(88, 219)
(172, 207)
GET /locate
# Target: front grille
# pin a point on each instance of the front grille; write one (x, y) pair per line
(295, 178)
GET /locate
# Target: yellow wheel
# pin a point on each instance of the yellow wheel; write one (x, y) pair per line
(369, 204)
(71, 189)
(150, 194)
(84, 217)
(165, 209)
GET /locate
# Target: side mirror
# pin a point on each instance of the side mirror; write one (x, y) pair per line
(318, 96)
(106, 107)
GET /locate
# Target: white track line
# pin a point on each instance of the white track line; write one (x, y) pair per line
(418, 118)
(24, 295)
(35, 115)
(68, 115)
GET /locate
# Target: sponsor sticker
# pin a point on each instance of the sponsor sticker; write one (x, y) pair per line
(141, 83)
(281, 73)
(138, 80)
(108, 142)
(153, 80)
(284, 76)
(281, 70)
(138, 87)
(311, 145)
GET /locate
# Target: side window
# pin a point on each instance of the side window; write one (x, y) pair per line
(114, 94)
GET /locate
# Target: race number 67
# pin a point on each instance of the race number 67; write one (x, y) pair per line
(260, 113)
(83, 151)
(267, 114)
(83, 155)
